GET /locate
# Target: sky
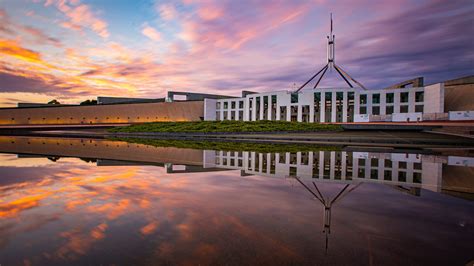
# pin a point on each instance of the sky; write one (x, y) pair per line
(73, 50)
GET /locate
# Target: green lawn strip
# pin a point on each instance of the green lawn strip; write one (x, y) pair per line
(225, 126)
(228, 146)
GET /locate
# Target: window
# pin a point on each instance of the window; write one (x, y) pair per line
(274, 99)
(389, 110)
(417, 166)
(374, 174)
(402, 165)
(241, 104)
(225, 115)
(402, 176)
(419, 96)
(374, 162)
(363, 99)
(218, 105)
(363, 110)
(218, 116)
(404, 97)
(404, 109)
(388, 163)
(226, 105)
(376, 98)
(361, 162)
(233, 105)
(375, 110)
(417, 178)
(294, 97)
(419, 108)
(389, 97)
(387, 175)
(282, 158)
(317, 97)
(265, 102)
(339, 96)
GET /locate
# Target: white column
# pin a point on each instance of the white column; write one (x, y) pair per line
(322, 106)
(332, 164)
(396, 102)
(383, 102)
(343, 165)
(254, 108)
(321, 164)
(299, 115)
(369, 103)
(333, 107)
(411, 101)
(345, 103)
(278, 112)
(356, 103)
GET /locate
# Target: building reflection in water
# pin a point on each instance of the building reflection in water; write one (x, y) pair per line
(404, 171)
(407, 172)
(100, 200)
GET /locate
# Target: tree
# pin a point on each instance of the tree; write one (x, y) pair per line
(89, 102)
(54, 102)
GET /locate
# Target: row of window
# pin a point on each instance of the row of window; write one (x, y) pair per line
(233, 115)
(233, 105)
(374, 162)
(390, 97)
(390, 109)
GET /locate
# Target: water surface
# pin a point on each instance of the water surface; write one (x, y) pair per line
(99, 202)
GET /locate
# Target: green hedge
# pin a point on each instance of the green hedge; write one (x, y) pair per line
(226, 126)
(229, 146)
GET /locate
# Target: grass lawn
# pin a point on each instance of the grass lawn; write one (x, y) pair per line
(226, 126)
(229, 146)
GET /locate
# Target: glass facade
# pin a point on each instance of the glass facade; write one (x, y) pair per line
(317, 106)
(419, 96)
(404, 96)
(328, 106)
(389, 97)
(294, 97)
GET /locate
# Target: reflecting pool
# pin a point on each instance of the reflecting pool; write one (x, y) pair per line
(101, 202)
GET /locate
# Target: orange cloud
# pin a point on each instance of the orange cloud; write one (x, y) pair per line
(13, 208)
(12, 48)
(149, 228)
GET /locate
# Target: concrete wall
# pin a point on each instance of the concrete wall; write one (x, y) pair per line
(98, 114)
(100, 149)
(409, 117)
(434, 98)
(209, 109)
(459, 98)
(461, 115)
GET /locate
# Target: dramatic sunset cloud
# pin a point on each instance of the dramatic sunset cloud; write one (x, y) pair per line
(73, 50)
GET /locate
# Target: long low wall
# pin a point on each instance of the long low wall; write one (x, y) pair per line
(103, 114)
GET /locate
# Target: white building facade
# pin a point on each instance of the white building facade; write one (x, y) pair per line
(330, 105)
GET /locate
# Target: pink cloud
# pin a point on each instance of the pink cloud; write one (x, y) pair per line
(151, 33)
(167, 11)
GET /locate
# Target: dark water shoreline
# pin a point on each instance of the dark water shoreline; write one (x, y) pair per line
(387, 139)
